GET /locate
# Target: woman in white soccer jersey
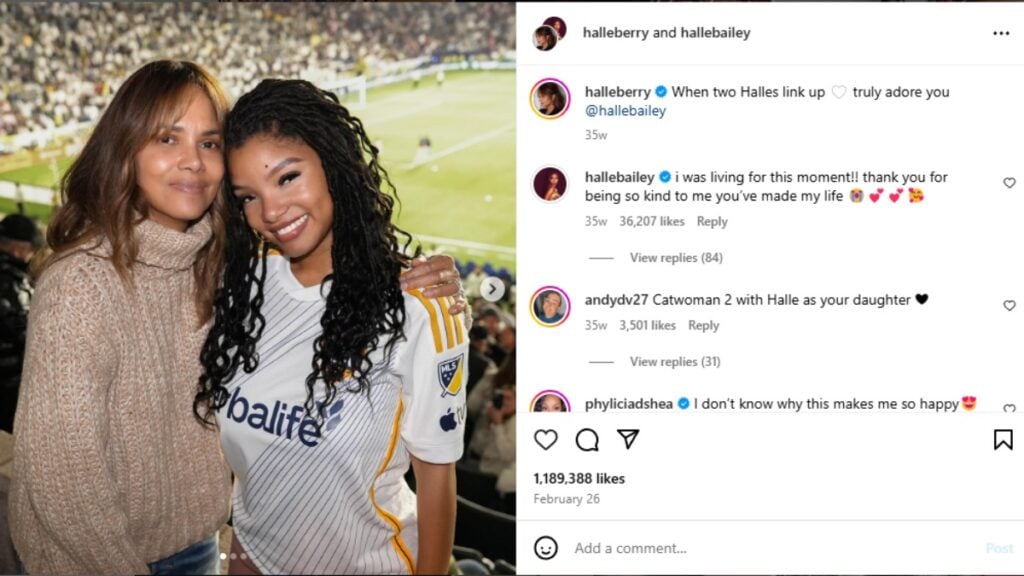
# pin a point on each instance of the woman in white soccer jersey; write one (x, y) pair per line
(344, 378)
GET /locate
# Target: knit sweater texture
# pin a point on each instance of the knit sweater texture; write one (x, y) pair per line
(111, 469)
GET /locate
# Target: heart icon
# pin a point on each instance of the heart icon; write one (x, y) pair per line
(839, 91)
(1009, 305)
(921, 298)
(545, 438)
(874, 197)
(1009, 182)
(894, 197)
(1009, 407)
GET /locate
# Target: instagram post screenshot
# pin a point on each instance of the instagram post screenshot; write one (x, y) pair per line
(260, 268)
(770, 252)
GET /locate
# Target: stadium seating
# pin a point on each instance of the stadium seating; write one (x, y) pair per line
(491, 532)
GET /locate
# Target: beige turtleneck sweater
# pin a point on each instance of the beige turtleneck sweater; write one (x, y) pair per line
(111, 469)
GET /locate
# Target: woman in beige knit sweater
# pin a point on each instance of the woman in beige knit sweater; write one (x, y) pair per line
(112, 473)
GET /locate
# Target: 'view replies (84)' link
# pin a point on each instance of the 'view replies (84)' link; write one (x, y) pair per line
(768, 283)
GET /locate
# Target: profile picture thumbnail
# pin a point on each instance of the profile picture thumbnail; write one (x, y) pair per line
(550, 98)
(550, 401)
(550, 184)
(550, 306)
(557, 24)
(545, 38)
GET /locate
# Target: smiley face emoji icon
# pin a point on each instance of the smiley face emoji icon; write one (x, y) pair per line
(545, 547)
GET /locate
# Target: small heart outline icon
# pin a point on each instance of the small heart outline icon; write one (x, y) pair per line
(1009, 305)
(1009, 407)
(1009, 182)
(839, 90)
(545, 438)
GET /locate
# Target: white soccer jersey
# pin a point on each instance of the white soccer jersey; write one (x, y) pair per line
(335, 501)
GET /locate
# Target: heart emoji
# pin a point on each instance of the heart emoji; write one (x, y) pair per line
(1010, 305)
(839, 91)
(894, 197)
(1009, 182)
(969, 403)
(921, 298)
(874, 197)
(545, 438)
(1009, 407)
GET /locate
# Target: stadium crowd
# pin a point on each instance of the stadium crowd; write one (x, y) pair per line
(62, 62)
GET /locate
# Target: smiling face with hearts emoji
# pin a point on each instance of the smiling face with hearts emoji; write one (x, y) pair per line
(968, 403)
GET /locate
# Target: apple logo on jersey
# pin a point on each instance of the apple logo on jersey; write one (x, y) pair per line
(451, 420)
(448, 421)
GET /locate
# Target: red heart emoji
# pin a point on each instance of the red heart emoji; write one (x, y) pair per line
(874, 197)
(894, 197)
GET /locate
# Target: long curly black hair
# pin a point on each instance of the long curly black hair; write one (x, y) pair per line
(364, 302)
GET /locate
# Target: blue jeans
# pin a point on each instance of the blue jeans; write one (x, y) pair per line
(203, 557)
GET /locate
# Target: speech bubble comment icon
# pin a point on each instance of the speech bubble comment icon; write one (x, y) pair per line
(587, 440)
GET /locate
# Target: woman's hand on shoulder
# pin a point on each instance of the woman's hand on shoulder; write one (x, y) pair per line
(438, 277)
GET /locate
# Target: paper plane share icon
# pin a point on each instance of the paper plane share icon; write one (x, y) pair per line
(628, 435)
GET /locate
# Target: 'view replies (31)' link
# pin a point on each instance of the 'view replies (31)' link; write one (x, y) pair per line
(768, 288)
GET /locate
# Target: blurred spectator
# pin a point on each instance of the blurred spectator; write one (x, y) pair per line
(493, 405)
(490, 318)
(479, 363)
(471, 283)
(507, 338)
(19, 240)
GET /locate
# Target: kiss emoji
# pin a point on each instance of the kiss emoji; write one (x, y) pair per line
(968, 403)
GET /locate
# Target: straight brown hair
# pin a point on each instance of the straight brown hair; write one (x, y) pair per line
(100, 197)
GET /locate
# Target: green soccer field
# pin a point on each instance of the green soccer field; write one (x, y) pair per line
(460, 199)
